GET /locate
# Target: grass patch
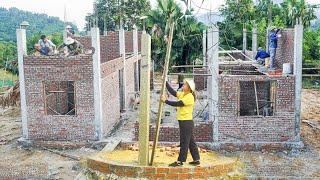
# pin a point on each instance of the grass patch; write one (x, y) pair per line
(7, 78)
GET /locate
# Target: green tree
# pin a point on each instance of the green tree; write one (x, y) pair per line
(107, 13)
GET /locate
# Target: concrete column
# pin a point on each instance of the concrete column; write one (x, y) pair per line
(145, 101)
(135, 41)
(213, 81)
(298, 42)
(204, 47)
(22, 50)
(123, 54)
(267, 39)
(254, 41)
(95, 38)
(244, 38)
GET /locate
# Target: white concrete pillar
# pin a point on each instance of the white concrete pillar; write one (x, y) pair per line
(254, 41)
(213, 81)
(95, 38)
(22, 50)
(298, 42)
(244, 39)
(123, 54)
(135, 41)
(204, 47)
(267, 38)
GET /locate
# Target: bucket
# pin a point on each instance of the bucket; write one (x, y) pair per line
(286, 68)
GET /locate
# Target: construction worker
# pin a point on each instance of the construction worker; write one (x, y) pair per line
(184, 105)
(46, 46)
(69, 30)
(261, 56)
(71, 47)
(273, 44)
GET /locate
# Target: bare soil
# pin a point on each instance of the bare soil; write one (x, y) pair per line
(18, 162)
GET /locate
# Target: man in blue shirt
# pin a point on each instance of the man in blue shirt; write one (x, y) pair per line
(273, 44)
(261, 55)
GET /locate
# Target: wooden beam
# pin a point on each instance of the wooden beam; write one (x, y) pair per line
(164, 77)
(144, 115)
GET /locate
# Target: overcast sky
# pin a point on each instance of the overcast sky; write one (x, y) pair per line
(78, 9)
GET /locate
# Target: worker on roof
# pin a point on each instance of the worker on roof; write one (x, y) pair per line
(261, 56)
(273, 44)
(184, 105)
(70, 31)
(46, 46)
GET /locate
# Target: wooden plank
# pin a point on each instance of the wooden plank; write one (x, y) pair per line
(144, 100)
(255, 92)
(164, 76)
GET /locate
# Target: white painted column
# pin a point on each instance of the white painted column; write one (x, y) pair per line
(123, 54)
(244, 39)
(22, 50)
(254, 41)
(213, 81)
(267, 39)
(204, 47)
(298, 42)
(135, 41)
(95, 38)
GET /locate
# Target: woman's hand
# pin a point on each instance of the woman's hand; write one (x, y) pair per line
(164, 98)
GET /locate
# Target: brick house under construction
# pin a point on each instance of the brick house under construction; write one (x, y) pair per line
(78, 98)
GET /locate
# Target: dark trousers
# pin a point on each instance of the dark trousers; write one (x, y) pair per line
(187, 141)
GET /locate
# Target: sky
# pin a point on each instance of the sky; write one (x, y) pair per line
(78, 9)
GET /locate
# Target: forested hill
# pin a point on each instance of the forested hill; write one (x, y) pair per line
(10, 20)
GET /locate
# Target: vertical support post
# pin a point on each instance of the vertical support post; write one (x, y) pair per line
(95, 36)
(136, 50)
(145, 100)
(254, 41)
(298, 40)
(213, 81)
(22, 50)
(123, 54)
(204, 47)
(135, 41)
(244, 38)
(164, 77)
(267, 39)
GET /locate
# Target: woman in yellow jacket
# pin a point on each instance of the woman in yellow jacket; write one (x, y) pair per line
(184, 105)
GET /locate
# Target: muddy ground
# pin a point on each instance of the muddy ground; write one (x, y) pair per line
(18, 162)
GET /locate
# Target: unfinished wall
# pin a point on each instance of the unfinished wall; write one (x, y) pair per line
(41, 69)
(110, 93)
(285, 50)
(202, 133)
(109, 45)
(128, 41)
(234, 128)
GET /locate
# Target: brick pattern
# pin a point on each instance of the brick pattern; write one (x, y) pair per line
(47, 127)
(200, 81)
(285, 50)
(277, 128)
(202, 133)
(151, 172)
(109, 45)
(128, 41)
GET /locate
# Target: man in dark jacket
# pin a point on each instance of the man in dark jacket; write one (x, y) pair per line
(273, 44)
(261, 55)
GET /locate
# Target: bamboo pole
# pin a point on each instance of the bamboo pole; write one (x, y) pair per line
(164, 77)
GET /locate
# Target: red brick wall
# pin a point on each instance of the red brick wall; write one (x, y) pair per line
(46, 127)
(129, 41)
(200, 81)
(109, 45)
(202, 133)
(110, 93)
(234, 128)
(285, 50)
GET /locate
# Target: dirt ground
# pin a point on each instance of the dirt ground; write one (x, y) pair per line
(38, 163)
